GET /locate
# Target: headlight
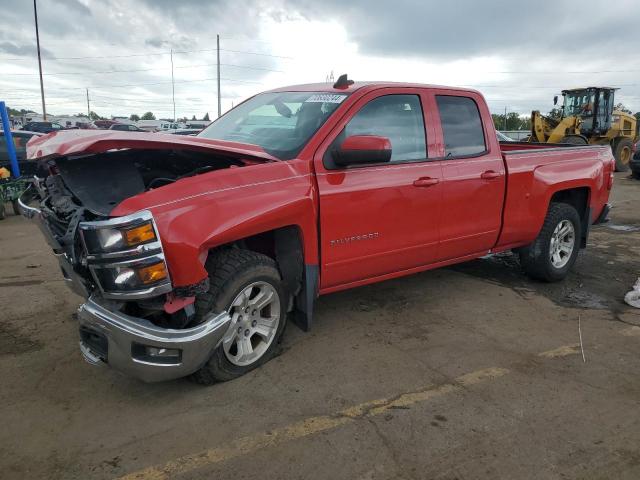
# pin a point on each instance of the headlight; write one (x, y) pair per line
(118, 238)
(125, 256)
(131, 277)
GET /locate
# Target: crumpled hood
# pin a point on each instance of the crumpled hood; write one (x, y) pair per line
(78, 142)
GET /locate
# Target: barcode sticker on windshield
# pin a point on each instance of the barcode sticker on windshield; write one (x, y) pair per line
(326, 98)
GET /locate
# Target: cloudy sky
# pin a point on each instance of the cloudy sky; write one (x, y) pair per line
(518, 53)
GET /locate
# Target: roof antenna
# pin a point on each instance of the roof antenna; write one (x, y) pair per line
(343, 82)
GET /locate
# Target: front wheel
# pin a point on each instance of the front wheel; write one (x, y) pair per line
(550, 257)
(248, 286)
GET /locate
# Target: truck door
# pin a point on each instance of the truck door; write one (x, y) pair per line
(378, 219)
(473, 173)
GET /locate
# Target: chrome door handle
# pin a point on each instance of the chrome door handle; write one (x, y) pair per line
(490, 175)
(426, 182)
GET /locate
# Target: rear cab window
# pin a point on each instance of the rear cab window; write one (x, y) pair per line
(461, 126)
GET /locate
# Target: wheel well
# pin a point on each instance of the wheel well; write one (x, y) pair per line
(285, 246)
(579, 199)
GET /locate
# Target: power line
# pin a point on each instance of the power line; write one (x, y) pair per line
(550, 87)
(144, 70)
(560, 72)
(233, 80)
(155, 54)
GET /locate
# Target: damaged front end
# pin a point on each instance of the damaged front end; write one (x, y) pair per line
(133, 318)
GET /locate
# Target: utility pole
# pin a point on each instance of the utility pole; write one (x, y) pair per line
(505, 118)
(35, 14)
(173, 88)
(219, 98)
(88, 108)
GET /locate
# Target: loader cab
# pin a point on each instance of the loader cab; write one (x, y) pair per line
(594, 107)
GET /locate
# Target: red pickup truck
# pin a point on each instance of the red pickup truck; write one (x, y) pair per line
(192, 251)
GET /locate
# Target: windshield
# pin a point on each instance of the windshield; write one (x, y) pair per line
(281, 123)
(578, 103)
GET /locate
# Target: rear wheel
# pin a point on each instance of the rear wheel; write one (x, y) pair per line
(248, 286)
(622, 151)
(550, 257)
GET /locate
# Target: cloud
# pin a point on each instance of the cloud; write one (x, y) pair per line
(467, 28)
(518, 56)
(23, 49)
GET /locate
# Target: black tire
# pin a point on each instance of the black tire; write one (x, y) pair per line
(574, 140)
(16, 208)
(231, 271)
(622, 151)
(535, 258)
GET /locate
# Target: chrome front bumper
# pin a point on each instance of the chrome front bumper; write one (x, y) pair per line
(109, 337)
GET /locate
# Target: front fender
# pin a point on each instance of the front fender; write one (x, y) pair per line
(200, 213)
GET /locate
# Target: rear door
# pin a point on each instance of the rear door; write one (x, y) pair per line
(379, 219)
(473, 173)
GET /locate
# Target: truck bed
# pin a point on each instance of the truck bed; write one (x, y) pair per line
(536, 170)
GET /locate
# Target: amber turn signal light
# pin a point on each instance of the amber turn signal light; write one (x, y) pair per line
(138, 235)
(152, 273)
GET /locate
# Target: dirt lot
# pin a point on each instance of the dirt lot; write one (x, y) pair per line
(461, 373)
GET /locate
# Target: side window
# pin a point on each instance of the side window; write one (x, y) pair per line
(461, 126)
(397, 117)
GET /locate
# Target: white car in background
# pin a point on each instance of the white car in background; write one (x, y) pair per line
(503, 138)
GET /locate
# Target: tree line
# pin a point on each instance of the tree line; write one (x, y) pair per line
(134, 117)
(517, 121)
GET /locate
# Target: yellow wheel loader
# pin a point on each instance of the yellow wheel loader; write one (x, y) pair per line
(588, 117)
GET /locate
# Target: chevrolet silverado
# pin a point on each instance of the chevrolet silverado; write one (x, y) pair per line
(191, 252)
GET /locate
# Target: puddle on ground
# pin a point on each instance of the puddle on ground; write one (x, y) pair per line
(583, 299)
(504, 269)
(623, 228)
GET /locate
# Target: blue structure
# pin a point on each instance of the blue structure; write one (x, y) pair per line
(11, 148)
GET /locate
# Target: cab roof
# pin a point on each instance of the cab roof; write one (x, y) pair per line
(569, 90)
(366, 85)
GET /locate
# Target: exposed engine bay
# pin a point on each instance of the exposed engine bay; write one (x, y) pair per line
(100, 183)
(83, 190)
(89, 187)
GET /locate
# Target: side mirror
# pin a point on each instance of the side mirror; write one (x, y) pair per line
(362, 149)
(555, 100)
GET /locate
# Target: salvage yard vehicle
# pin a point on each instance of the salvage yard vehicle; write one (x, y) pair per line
(20, 139)
(125, 127)
(635, 163)
(42, 127)
(589, 117)
(191, 251)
